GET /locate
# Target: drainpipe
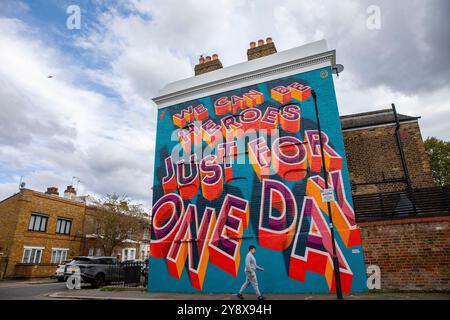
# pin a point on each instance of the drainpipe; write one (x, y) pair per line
(402, 157)
(400, 149)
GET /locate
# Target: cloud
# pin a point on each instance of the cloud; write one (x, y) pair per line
(54, 129)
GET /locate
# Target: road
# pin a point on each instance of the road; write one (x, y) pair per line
(27, 291)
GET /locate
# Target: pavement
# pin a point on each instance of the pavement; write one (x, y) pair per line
(45, 289)
(98, 294)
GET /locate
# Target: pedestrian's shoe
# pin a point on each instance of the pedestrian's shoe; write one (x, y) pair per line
(240, 296)
(261, 298)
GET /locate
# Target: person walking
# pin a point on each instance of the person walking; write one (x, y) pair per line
(250, 272)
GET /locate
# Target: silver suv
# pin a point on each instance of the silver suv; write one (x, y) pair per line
(98, 271)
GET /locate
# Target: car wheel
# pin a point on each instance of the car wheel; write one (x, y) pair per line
(60, 279)
(99, 281)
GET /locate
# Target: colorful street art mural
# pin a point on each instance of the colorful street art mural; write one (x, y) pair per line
(242, 168)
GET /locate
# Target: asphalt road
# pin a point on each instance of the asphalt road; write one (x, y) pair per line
(26, 291)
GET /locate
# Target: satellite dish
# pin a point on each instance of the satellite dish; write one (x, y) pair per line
(338, 68)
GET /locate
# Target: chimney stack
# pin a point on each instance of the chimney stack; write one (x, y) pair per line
(262, 50)
(52, 190)
(70, 193)
(208, 64)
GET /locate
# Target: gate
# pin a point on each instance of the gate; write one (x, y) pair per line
(128, 274)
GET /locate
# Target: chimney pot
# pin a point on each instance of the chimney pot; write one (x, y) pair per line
(70, 192)
(208, 64)
(53, 191)
(262, 50)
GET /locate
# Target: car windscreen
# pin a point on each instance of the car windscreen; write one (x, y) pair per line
(81, 261)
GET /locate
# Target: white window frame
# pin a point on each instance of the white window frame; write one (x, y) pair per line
(128, 255)
(67, 224)
(35, 215)
(62, 250)
(91, 252)
(31, 248)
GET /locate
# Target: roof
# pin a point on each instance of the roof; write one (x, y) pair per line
(300, 59)
(77, 201)
(372, 118)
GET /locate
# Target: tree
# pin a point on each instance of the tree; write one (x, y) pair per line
(118, 220)
(439, 154)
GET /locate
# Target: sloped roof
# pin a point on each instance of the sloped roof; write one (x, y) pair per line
(372, 118)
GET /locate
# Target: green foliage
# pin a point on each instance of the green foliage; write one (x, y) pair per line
(439, 154)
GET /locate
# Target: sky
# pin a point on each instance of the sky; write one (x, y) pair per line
(94, 118)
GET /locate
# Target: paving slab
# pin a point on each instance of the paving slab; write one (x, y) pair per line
(98, 294)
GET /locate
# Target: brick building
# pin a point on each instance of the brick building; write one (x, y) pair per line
(412, 252)
(411, 249)
(373, 153)
(39, 230)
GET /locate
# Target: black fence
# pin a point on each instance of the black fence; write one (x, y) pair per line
(128, 274)
(426, 202)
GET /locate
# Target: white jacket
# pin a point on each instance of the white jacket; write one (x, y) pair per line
(250, 263)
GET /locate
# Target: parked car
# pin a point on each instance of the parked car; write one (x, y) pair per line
(94, 270)
(59, 273)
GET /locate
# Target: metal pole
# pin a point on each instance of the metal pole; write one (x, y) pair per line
(409, 190)
(337, 275)
(400, 149)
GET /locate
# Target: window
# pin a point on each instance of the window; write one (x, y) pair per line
(98, 228)
(146, 235)
(91, 252)
(128, 254)
(130, 233)
(63, 226)
(82, 260)
(32, 254)
(38, 222)
(107, 261)
(144, 255)
(98, 252)
(59, 255)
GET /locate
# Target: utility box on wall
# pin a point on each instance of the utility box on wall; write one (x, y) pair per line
(238, 163)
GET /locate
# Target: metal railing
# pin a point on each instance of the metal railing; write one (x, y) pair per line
(128, 274)
(426, 202)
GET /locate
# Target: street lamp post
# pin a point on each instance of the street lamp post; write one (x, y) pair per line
(337, 276)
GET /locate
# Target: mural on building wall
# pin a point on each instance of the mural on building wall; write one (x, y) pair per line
(244, 167)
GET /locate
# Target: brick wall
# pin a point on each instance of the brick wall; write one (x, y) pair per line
(42, 270)
(8, 221)
(412, 254)
(373, 156)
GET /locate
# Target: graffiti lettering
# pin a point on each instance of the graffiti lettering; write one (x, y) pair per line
(249, 175)
(226, 240)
